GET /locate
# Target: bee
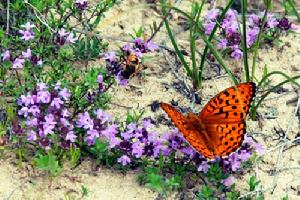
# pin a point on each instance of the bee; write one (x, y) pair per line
(132, 65)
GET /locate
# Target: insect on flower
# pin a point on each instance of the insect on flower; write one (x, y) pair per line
(132, 65)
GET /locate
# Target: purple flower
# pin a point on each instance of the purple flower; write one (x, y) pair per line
(231, 15)
(40, 62)
(43, 97)
(71, 38)
(260, 150)
(18, 63)
(253, 20)
(57, 102)
(26, 35)
(26, 100)
(244, 155)
(124, 160)
(146, 123)
(34, 110)
(65, 113)
(251, 36)
(222, 44)
(151, 46)
(271, 21)
(127, 48)
(284, 24)
(41, 86)
(81, 4)
(64, 94)
(31, 136)
(92, 135)
(110, 56)
(103, 116)
(71, 136)
(248, 140)
(6, 55)
(63, 33)
(85, 121)
(121, 80)
(32, 122)
(203, 167)
(228, 181)
(23, 111)
(27, 54)
(212, 15)
(137, 149)
(234, 161)
(100, 79)
(236, 54)
(208, 27)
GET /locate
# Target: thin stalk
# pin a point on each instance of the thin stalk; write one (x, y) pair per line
(178, 52)
(244, 40)
(210, 46)
(219, 21)
(294, 9)
(254, 107)
(196, 78)
(256, 45)
(274, 73)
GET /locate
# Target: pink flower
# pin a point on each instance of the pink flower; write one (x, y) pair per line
(71, 38)
(5, 55)
(26, 35)
(124, 160)
(203, 167)
(228, 181)
(27, 54)
(236, 54)
(18, 63)
(260, 150)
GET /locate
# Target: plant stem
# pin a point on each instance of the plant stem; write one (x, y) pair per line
(244, 40)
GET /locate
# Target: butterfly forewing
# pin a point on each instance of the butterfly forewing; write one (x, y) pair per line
(230, 105)
(190, 129)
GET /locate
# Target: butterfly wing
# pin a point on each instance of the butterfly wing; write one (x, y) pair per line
(190, 128)
(224, 117)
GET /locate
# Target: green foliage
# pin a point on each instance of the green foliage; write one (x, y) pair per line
(48, 163)
(134, 116)
(84, 191)
(159, 183)
(206, 193)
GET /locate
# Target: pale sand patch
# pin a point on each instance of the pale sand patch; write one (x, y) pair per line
(107, 184)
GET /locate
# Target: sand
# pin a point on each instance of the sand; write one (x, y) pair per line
(156, 84)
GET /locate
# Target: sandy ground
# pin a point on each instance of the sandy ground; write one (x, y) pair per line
(274, 168)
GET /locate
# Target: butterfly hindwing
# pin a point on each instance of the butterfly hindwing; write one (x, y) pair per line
(226, 137)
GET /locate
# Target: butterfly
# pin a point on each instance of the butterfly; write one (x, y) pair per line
(219, 128)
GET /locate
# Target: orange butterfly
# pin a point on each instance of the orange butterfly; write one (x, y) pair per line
(219, 128)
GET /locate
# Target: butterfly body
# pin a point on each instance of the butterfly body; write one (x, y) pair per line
(219, 128)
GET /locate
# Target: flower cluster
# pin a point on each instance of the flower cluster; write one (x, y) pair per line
(19, 61)
(81, 5)
(117, 66)
(63, 37)
(47, 118)
(229, 31)
(97, 126)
